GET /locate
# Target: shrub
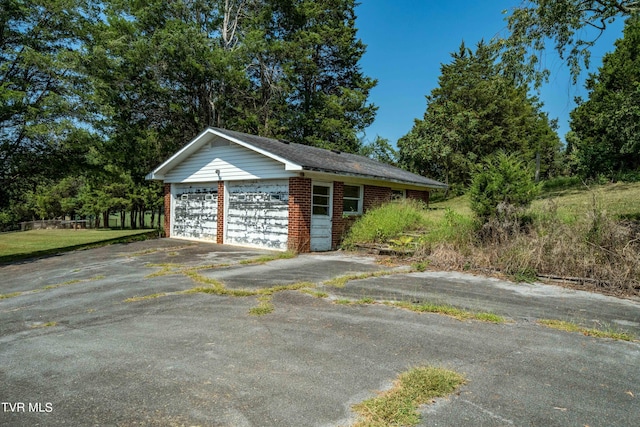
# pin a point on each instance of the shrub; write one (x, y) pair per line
(503, 181)
(386, 222)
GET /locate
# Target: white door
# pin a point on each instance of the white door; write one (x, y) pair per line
(321, 211)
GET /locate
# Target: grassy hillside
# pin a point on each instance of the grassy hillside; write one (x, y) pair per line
(589, 237)
(617, 200)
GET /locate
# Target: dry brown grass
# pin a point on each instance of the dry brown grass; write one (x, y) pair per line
(598, 253)
(577, 237)
(587, 237)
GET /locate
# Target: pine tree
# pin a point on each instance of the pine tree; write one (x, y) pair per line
(328, 93)
(475, 111)
(607, 125)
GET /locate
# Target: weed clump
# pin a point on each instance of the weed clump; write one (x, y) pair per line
(386, 222)
(398, 406)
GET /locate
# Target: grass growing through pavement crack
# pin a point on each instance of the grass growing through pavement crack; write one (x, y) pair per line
(450, 311)
(341, 281)
(398, 406)
(264, 306)
(49, 287)
(446, 310)
(212, 286)
(270, 257)
(44, 325)
(598, 333)
(146, 297)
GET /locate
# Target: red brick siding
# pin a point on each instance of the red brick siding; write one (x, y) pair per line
(418, 195)
(375, 196)
(338, 220)
(299, 214)
(220, 219)
(167, 210)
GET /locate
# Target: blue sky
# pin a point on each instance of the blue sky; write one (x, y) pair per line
(408, 40)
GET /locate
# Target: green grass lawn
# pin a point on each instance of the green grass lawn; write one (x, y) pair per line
(24, 244)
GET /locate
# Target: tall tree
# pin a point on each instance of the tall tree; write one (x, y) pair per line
(475, 111)
(328, 93)
(607, 125)
(572, 25)
(43, 108)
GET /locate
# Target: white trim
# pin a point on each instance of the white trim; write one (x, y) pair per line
(360, 199)
(225, 220)
(172, 211)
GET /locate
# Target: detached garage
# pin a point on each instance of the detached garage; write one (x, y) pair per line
(240, 189)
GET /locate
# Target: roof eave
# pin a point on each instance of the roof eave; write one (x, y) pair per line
(437, 186)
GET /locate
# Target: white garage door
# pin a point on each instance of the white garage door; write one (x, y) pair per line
(196, 213)
(258, 214)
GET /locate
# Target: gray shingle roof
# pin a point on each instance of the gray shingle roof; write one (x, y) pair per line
(322, 160)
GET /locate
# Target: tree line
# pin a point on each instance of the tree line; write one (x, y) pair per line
(95, 94)
(100, 92)
(483, 107)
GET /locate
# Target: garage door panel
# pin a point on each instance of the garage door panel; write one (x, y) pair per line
(257, 214)
(196, 215)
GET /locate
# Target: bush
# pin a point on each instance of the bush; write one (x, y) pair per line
(502, 182)
(386, 222)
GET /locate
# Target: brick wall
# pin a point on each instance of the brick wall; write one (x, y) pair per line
(418, 195)
(338, 220)
(220, 219)
(299, 214)
(167, 210)
(375, 196)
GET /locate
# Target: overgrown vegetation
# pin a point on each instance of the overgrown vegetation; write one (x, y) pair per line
(501, 184)
(585, 237)
(398, 406)
(390, 221)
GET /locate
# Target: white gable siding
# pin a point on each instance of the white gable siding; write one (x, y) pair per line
(233, 161)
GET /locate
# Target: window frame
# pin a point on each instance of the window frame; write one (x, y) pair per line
(359, 199)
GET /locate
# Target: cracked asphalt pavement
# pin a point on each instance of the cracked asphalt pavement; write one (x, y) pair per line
(73, 352)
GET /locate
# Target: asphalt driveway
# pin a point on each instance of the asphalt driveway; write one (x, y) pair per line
(78, 346)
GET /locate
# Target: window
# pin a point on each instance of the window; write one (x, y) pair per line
(398, 194)
(320, 201)
(352, 200)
